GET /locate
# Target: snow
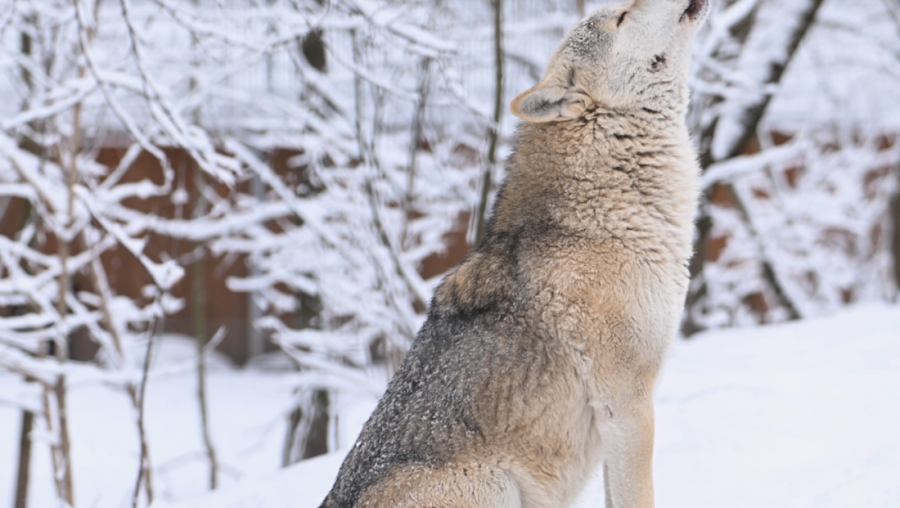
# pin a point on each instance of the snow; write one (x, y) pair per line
(796, 415)
(247, 414)
(799, 415)
(302, 486)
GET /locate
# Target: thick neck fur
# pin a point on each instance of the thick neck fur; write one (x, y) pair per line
(607, 175)
(618, 182)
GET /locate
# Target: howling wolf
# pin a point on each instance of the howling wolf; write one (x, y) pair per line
(538, 359)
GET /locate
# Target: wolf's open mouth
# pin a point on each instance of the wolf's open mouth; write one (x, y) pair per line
(694, 9)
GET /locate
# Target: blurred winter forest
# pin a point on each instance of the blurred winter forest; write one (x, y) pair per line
(287, 181)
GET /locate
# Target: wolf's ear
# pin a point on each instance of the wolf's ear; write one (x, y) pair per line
(555, 99)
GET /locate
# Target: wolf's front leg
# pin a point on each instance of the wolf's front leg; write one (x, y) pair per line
(627, 436)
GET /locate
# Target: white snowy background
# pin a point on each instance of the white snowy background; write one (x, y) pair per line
(786, 392)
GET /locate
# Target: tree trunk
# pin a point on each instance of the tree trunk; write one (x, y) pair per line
(24, 464)
(494, 134)
(202, 351)
(895, 241)
(893, 10)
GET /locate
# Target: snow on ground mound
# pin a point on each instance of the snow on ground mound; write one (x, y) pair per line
(300, 486)
(798, 415)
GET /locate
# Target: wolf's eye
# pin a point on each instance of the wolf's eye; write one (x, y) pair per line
(621, 19)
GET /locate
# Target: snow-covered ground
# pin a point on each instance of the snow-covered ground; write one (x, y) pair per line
(248, 424)
(798, 415)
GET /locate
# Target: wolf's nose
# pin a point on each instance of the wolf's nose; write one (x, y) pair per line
(695, 7)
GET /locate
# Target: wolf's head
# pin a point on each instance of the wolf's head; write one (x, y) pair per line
(626, 56)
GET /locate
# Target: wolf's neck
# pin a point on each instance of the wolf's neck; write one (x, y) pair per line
(607, 175)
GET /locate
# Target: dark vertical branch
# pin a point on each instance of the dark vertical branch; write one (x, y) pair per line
(63, 465)
(198, 290)
(895, 241)
(23, 470)
(198, 297)
(211, 454)
(297, 445)
(494, 133)
(145, 475)
(307, 434)
(101, 288)
(417, 134)
(894, 12)
(24, 462)
(316, 442)
(63, 469)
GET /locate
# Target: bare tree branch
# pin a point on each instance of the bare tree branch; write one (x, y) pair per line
(145, 473)
(494, 131)
(203, 352)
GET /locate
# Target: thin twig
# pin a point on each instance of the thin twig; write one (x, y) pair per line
(202, 352)
(144, 473)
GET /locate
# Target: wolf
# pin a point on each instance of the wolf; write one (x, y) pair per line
(538, 359)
